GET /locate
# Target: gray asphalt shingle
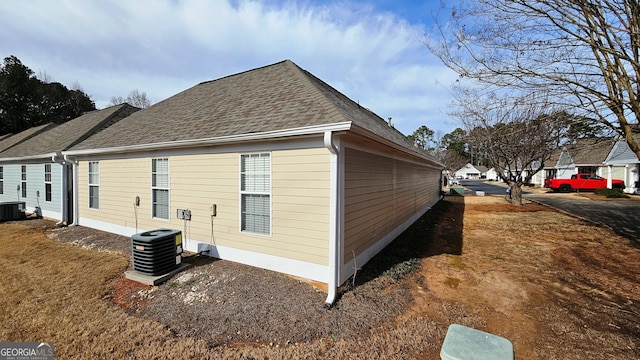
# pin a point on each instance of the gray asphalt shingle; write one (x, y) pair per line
(66, 135)
(272, 98)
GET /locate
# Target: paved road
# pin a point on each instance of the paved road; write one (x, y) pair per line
(622, 216)
(489, 187)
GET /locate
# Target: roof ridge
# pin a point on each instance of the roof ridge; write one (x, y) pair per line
(37, 130)
(312, 82)
(315, 82)
(106, 122)
(242, 72)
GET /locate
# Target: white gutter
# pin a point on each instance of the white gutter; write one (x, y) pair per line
(360, 130)
(74, 181)
(32, 158)
(267, 135)
(334, 220)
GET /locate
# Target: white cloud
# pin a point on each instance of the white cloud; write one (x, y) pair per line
(165, 46)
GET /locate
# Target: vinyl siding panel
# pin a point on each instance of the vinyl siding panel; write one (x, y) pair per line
(380, 194)
(35, 188)
(11, 174)
(622, 154)
(299, 200)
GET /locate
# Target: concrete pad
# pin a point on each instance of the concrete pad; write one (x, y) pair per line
(153, 280)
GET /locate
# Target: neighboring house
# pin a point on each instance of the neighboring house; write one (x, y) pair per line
(470, 172)
(549, 169)
(584, 156)
(276, 168)
(492, 175)
(33, 170)
(622, 163)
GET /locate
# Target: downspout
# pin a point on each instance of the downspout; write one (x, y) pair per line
(58, 159)
(74, 181)
(334, 220)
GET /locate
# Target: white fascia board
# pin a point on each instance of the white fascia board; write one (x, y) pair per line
(385, 141)
(267, 135)
(29, 159)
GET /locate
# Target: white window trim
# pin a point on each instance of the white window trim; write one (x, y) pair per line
(93, 184)
(23, 182)
(270, 194)
(168, 188)
(50, 182)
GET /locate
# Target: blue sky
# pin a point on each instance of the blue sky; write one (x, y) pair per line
(369, 50)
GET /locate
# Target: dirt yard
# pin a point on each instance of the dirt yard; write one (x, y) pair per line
(555, 286)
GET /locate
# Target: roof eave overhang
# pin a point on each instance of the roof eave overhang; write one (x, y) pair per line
(216, 141)
(382, 140)
(28, 159)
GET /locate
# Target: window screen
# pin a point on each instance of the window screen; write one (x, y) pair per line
(160, 188)
(255, 193)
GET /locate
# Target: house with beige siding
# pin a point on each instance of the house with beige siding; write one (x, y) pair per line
(274, 168)
(33, 169)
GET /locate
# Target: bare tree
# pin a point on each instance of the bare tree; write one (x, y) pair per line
(135, 98)
(517, 137)
(586, 53)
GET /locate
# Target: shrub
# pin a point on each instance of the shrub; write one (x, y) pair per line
(611, 193)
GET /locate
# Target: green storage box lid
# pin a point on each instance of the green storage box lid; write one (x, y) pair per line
(465, 343)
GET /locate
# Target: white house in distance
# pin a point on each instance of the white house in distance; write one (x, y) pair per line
(276, 169)
(471, 172)
(622, 163)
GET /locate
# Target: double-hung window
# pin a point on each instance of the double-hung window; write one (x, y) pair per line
(160, 188)
(255, 193)
(23, 183)
(1, 180)
(47, 182)
(94, 185)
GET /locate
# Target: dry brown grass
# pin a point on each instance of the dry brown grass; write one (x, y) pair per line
(556, 286)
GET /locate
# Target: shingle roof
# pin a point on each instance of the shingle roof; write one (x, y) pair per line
(591, 151)
(66, 135)
(13, 140)
(272, 98)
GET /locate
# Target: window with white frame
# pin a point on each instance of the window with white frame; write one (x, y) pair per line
(47, 182)
(160, 188)
(23, 182)
(94, 185)
(255, 193)
(1, 180)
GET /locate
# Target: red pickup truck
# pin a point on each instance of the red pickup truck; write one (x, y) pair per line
(584, 182)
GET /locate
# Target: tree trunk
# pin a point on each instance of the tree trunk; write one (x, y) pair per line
(516, 194)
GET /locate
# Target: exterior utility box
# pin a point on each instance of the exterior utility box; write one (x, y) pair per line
(156, 252)
(12, 210)
(465, 343)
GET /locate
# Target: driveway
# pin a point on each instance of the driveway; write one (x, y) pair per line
(623, 216)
